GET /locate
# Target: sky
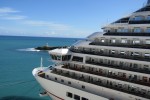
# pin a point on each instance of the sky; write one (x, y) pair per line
(61, 18)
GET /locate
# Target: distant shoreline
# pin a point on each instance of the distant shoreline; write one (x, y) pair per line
(49, 47)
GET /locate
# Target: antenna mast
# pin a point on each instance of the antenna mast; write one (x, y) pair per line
(41, 62)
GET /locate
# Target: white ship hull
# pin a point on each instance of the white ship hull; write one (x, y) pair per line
(58, 91)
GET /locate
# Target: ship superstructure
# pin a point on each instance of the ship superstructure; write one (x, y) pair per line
(112, 65)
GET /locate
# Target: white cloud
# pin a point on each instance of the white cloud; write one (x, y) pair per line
(8, 13)
(8, 10)
(50, 25)
(37, 27)
(14, 17)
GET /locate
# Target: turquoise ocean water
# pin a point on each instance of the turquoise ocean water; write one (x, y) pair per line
(18, 59)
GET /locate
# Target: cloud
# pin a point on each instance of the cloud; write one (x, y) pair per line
(50, 25)
(14, 17)
(8, 13)
(8, 10)
(36, 27)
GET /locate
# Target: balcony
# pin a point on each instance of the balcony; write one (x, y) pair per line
(109, 75)
(127, 45)
(139, 22)
(78, 59)
(128, 68)
(109, 84)
(126, 34)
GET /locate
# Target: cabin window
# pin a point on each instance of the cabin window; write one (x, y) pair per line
(62, 80)
(47, 76)
(147, 42)
(83, 87)
(55, 78)
(138, 18)
(54, 57)
(136, 41)
(120, 29)
(113, 51)
(121, 64)
(66, 57)
(135, 66)
(69, 94)
(69, 82)
(143, 91)
(131, 19)
(58, 57)
(135, 54)
(76, 97)
(146, 68)
(145, 79)
(123, 41)
(113, 41)
(112, 62)
(101, 51)
(148, 30)
(122, 52)
(76, 58)
(137, 30)
(147, 55)
(148, 17)
(83, 98)
(148, 93)
(125, 30)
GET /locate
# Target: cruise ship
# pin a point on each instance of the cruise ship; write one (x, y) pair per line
(109, 65)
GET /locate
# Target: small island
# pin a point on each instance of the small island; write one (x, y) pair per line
(46, 47)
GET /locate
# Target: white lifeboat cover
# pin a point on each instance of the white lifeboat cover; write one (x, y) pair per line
(62, 51)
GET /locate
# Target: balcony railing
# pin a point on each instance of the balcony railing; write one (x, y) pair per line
(140, 22)
(126, 34)
(127, 45)
(134, 57)
(141, 70)
(109, 84)
(109, 75)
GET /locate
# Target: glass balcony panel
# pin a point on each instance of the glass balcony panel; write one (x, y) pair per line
(123, 41)
(148, 30)
(147, 42)
(137, 30)
(148, 18)
(136, 41)
(138, 18)
(113, 41)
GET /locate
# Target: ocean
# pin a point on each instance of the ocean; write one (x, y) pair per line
(18, 59)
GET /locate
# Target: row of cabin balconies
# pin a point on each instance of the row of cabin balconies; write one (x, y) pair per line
(104, 82)
(96, 89)
(120, 64)
(127, 33)
(139, 22)
(133, 21)
(124, 76)
(131, 43)
(143, 56)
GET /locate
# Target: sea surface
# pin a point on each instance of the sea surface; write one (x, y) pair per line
(17, 60)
